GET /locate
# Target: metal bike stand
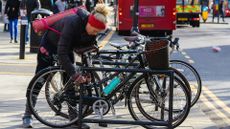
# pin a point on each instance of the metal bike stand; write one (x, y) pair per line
(168, 123)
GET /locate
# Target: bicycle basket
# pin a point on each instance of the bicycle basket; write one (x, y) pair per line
(157, 55)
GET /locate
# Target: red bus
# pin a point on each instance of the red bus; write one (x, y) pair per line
(156, 17)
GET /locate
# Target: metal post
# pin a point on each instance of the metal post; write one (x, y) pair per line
(135, 16)
(171, 100)
(218, 12)
(24, 23)
(22, 42)
(80, 116)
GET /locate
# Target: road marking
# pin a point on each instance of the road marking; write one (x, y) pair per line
(215, 99)
(183, 52)
(214, 109)
(106, 39)
(220, 105)
(190, 61)
(217, 110)
(17, 73)
(186, 56)
(14, 64)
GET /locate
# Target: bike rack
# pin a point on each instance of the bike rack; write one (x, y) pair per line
(168, 123)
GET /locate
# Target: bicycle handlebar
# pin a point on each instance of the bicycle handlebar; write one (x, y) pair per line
(142, 39)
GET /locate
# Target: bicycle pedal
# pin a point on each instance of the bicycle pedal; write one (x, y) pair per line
(103, 124)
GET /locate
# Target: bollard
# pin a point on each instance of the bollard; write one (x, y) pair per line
(24, 23)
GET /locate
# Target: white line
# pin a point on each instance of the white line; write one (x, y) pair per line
(191, 61)
(14, 64)
(184, 53)
(186, 56)
(16, 73)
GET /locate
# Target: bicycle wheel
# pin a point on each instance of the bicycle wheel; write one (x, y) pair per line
(49, 103)
(52, 88)
(191, 75)
(143, 106)
(54, 83)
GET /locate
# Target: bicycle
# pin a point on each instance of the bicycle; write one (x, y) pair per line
(136, 44)
(66, 95)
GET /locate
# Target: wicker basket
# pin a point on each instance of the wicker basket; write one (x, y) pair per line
(157, 54)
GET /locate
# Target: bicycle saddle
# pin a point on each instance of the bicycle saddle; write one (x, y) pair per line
(118, 45)
(131, 38)
(86, 49)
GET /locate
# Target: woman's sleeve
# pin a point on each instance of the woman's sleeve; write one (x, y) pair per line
(65, 47)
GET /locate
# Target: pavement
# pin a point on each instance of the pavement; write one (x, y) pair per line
(16, 73)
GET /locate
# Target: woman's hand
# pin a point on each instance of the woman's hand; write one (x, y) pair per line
(78, 78)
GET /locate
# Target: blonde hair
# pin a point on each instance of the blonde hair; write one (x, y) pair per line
(100, 1)
(101, 12)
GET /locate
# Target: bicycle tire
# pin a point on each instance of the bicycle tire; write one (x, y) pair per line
(31, 92)
(196, 88)
(177, 121)
(89, 111)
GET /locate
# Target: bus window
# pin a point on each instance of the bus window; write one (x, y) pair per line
(155, 16)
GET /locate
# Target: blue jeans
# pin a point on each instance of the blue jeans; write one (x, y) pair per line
(13, 27)
(27, 32)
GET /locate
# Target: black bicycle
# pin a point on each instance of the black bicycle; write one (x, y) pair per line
(136, 43)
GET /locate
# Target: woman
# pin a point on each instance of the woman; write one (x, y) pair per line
(77, 31)
(12, 11)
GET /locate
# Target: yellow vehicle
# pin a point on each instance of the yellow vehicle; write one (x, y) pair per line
(188, 12)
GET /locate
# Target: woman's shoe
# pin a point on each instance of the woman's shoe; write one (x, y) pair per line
(27, 122)
(83, 126)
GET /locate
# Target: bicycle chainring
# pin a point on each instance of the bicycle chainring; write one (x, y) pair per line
(101, 107)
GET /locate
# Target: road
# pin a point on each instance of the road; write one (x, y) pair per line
(213, 67)
(196, 48)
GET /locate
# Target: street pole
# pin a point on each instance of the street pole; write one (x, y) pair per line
(135, 16)
(24, 23)
(22, 42)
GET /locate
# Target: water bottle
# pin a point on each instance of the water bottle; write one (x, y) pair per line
(112, 85)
